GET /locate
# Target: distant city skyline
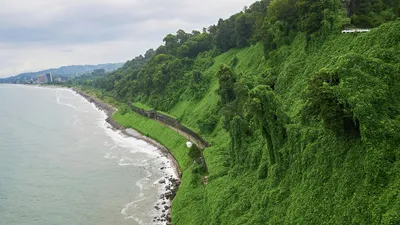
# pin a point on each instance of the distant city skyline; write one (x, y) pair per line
(53, 33)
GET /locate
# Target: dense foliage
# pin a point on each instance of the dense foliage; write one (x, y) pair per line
(371, 13)
(303, 120)
(173, 72)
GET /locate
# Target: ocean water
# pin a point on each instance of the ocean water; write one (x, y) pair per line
(61, 163)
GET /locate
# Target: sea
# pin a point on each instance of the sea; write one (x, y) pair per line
(62, 163)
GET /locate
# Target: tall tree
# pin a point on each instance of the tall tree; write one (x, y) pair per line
(225, 38)
(243, 30)
(317, 15)
(171, 43)
(372, 13)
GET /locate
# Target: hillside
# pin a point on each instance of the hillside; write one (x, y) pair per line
(303, 120)
(64, 71)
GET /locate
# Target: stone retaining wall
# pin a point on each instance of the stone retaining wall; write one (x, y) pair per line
(153, 114)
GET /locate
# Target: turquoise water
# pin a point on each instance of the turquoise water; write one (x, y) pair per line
(60, 163)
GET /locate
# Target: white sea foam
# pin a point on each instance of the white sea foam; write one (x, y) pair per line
(66, 104)
(125, 161)
(142, 182)
(122, 150)
(135, 145)
(59, 96)
(145, 183)
(110, 156)
(128, 207)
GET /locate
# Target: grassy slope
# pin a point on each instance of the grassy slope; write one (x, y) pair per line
(326, 180)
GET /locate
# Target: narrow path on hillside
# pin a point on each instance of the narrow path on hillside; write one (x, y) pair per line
(175, 125)
(186, 135)
(198, 144)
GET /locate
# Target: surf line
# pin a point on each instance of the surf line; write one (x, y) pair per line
(170, 184)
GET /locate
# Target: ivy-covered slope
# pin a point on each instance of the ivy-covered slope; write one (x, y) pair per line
(309, 135)
(320, 170)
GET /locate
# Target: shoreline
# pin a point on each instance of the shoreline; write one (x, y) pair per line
(169, 185)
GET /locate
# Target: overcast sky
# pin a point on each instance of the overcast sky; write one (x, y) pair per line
(41, 34)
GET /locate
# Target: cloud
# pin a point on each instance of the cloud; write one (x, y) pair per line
(37, 35)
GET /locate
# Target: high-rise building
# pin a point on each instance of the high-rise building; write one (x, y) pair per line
(49, 78)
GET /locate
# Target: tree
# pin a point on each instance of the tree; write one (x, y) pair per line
(171, 43)
(225, 38)
(257, 12)
(372, 13)
(266, 110)
(161, 50)
(243, 30)
(317, 15)
(182, 36)
(195, 45)
(227, 80)
(149, 53)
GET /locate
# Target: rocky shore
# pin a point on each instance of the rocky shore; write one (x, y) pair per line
(169, 184)
(163, 205)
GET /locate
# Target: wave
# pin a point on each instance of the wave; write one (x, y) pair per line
(59, 96)
(110, 156)
(133, 205)
(134, 145)
(125, 161)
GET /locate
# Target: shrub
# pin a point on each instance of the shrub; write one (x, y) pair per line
(323, 103)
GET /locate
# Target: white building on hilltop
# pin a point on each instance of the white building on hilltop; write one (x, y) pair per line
(355, 30)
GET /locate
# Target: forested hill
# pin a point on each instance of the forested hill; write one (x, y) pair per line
(64, 71)
(303, 120)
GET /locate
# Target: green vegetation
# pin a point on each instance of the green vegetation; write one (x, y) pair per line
(372, 13)
(142, 106)
(303, 120)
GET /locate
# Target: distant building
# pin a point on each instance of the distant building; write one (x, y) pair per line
(49, 78)
(355, 30)
(58, 79)
(41, 79)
